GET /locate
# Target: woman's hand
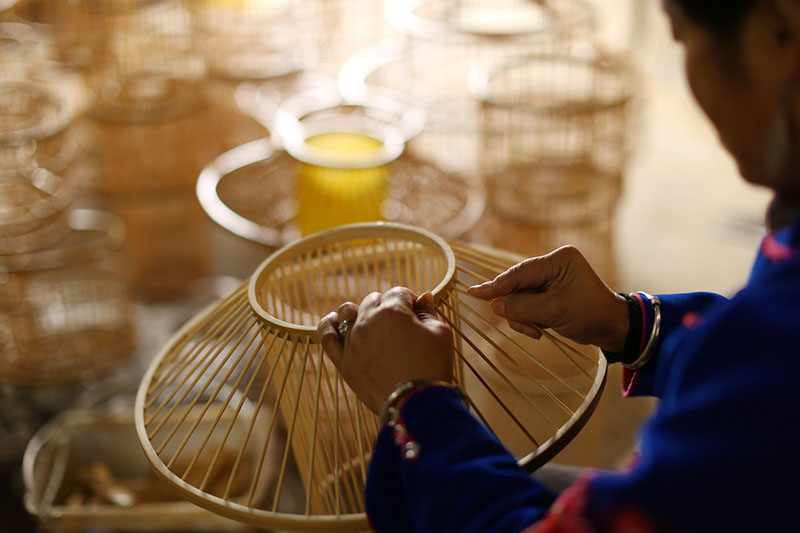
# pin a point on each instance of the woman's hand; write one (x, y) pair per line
(396, 337)
(559, 291)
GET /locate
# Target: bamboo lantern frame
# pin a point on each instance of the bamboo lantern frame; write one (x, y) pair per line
(261, 340)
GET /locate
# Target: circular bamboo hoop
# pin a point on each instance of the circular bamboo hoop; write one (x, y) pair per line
(261, 340)
(417, 193)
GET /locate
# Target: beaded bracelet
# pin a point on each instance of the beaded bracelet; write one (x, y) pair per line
(391, 405)
(390, 414)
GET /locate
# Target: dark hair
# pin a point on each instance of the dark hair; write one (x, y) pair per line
(723, 17)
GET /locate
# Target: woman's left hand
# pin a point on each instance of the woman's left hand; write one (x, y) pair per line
(396, 337)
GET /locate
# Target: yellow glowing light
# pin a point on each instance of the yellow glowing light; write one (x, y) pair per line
(329, 196)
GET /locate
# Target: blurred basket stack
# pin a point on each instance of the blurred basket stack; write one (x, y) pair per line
(64, 304)
(555, 143)
(437, 44)
(148, 120)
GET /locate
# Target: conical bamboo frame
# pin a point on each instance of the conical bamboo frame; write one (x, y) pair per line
(261, 341)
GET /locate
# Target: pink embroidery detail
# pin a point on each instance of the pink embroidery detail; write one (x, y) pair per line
(774, 250)
(692, 319)
(629, 380)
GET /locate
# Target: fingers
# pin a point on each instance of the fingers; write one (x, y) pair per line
(400, 296)
(347, 311)
(425, 308)
(532, 274)
(526, 329)
(328, 334)
(527, 308)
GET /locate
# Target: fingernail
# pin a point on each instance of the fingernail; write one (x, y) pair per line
(478, 287)
(499, 307)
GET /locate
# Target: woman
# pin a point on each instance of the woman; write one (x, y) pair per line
(720, 451)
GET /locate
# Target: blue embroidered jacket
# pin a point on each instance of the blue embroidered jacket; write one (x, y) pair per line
(720, 453)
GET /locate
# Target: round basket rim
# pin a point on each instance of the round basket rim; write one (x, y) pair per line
(350, 231)
(407, 21)
(480, 78)
(226, 508)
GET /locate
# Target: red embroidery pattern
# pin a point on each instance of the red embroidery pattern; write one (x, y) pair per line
(774, 250)
(692, 319)
(566, 515)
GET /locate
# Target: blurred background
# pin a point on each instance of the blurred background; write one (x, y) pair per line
(154, 152)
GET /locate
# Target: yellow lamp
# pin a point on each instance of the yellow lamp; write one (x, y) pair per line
(343, 159)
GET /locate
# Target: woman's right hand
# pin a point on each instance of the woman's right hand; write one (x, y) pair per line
(562, 292)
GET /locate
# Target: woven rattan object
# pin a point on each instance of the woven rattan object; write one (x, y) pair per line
(261, 341)
(555, 142)
(65, 309)
(84, 470)
(442, 41)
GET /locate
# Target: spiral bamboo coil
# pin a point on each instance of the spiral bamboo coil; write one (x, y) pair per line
(261, 341)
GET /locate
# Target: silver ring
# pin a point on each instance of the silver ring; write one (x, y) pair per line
(344, 328)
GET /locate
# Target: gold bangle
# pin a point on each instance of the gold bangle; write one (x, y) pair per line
(402, 390)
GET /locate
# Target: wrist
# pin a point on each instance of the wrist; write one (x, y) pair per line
(619, 326)
(403, 391)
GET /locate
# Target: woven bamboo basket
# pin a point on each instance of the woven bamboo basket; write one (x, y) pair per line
(442, 41)
(65, 310)
(252, 39)
(85, 470)
(555, 141)
(149, 143)
(261, 340)
(362, 175)
(339, 28)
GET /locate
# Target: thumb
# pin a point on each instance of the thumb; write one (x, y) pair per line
(425, 307)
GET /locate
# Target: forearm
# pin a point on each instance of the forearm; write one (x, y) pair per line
(463, 479)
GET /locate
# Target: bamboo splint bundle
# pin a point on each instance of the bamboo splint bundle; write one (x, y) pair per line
(261, 341)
